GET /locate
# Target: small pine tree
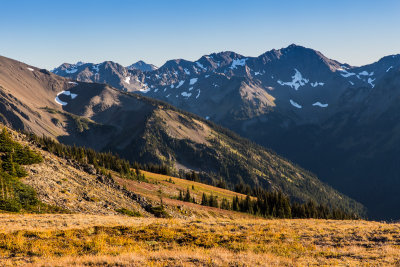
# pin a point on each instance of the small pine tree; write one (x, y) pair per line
(235, 203)
(225, 204)
(204, 200)
(187, 195)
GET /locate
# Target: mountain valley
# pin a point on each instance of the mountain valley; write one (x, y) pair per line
(144, 130)
(318, 112)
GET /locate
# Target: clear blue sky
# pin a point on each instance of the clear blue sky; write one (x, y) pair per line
(48, 33)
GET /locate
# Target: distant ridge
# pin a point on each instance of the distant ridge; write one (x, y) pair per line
(319, 112)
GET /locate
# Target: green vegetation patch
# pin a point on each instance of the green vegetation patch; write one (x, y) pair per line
(14, 195)
(129, 212)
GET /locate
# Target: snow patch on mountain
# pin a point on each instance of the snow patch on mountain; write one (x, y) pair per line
(207, 76)
(186, 71)
(351, 82)
(62, 103)
(319, 104)
(198, 94)
(365, 73)
(74, 83)
(238, 62)
(186, 94)
(370, 80)
(345, 73)
(343, 67)
(58, 101)
(145, 90)
(295, 104)
(391, 67)
(30, 69)
(316, 84)
(193, 81)
(180, 84)
(200, 65)
(297, 80)
(127, 80)
(191, 88)
(71, 71)
(96, 67)
(172, 86)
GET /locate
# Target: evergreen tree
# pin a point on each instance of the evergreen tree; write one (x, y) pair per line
(235, 203)
(187, 195)
(225, 204)
(204, 200)
(8, 164)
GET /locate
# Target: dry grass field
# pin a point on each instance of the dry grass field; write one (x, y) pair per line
(169, 189)
(92, 240)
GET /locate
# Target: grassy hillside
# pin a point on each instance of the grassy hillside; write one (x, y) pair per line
(96, 232)
(82, 240)
(80, 180)
(35, 180)
(118, 173)
(191, 143)
(149, 131)
(196, 188)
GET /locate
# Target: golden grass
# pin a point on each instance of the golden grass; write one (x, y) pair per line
(183, 184)
(159, 185)
(177, 208)
(122, 241)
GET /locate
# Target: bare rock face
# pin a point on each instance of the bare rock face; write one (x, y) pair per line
(89, 168)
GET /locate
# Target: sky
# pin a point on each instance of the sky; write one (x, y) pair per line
(47, 33)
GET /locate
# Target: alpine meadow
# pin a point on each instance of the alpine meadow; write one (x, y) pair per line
(186, 133)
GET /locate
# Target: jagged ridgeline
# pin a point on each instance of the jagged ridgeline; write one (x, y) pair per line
(317, 112)
(15, 196)
(149, 131)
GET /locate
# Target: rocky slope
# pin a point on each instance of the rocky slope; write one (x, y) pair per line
(74, 187)
(337, 120)
(145, 130)
(141, 65)
(299, 83)
(70, 186)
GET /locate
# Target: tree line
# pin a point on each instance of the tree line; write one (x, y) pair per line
(269, 205)
(16, 196)
(258, 201)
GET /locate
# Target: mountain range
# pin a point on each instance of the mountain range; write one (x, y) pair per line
(337, 120)
(145, 130)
